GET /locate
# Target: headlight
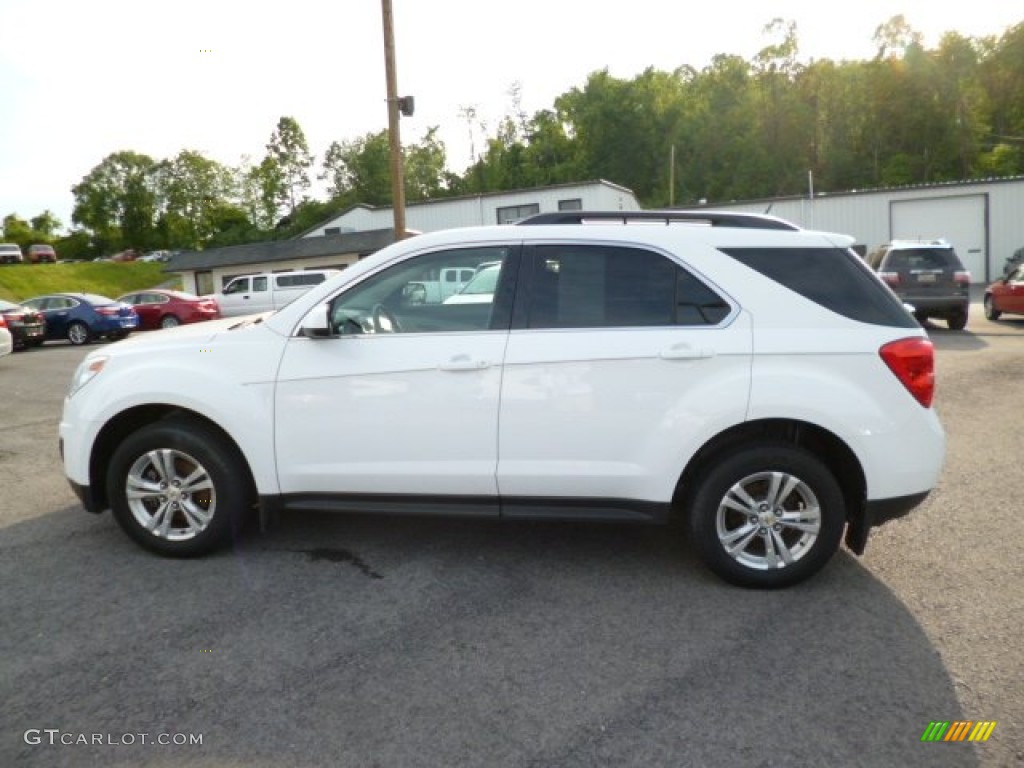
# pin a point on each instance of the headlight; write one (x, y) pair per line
(86, 372)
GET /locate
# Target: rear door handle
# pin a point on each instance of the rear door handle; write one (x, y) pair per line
(464, 363)
(686, 352)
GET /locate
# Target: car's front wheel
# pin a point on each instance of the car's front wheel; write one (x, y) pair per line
(179, 488)
(767, 516)
(991, 312)
(78, 334)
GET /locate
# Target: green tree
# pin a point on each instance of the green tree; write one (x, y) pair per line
(258, 191)
(17, 230)
(77, 244)
(116, 201)
(46, 225)
(360, 170)
(291, 155)
(425, 175)
(1001, 75)
(192, 189)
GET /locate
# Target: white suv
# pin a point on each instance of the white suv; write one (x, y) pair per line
(756, 380)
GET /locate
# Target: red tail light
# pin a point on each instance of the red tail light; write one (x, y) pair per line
(3, 322)
(892, 278)
(962, 277)
(107, 311)
(913, 362)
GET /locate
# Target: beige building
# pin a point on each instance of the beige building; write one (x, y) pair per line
(362, 229)
(204, 272)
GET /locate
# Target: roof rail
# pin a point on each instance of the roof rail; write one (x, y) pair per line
(707, 218)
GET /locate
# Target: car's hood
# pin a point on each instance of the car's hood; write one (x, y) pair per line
(192, 333)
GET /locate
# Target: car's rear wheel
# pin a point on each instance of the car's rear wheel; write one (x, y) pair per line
(169, 321)
(179, 488)
(78, 334)
(957, 321)
(767, 516)
(990, 308)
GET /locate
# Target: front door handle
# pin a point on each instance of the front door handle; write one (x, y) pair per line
(686, 352)
(464, 363)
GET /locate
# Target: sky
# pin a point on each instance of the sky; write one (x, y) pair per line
(80, 79)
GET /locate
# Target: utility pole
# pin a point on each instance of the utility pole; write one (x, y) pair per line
(397, 173)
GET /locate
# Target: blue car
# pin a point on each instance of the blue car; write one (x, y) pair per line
(82, 317)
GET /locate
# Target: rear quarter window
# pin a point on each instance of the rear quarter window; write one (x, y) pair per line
(834, 278)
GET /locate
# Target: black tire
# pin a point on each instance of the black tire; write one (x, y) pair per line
(991, 312)
(78, 334)
(957, 321)
(190, 520)
(758, 532)
(169, 321)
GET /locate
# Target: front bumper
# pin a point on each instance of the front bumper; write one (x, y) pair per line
(83, 492)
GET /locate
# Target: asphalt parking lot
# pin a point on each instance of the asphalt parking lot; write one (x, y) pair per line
(354, 641)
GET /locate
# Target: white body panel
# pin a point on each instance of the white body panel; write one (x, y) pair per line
(395, 414)
(612, 414)
(225, 376)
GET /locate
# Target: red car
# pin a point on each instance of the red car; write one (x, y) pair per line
(158, 308)
(37, 254)
(1006, 295)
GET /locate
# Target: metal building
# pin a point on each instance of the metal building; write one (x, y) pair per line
(984, 220)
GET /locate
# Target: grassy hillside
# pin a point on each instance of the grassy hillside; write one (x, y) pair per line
(23, 281)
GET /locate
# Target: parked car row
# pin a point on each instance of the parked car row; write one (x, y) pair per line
(928, 276)
(10, 253)
(83, 317)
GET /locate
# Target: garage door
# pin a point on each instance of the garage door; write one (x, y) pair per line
(960, 220)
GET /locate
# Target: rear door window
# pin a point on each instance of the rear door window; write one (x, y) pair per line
(589, 286)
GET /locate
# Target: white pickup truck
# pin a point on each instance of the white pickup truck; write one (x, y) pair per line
(450, 280)
(249, 294)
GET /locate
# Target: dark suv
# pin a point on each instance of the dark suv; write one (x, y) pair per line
(928, 275)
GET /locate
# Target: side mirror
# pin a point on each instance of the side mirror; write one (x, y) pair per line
(316, 325)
